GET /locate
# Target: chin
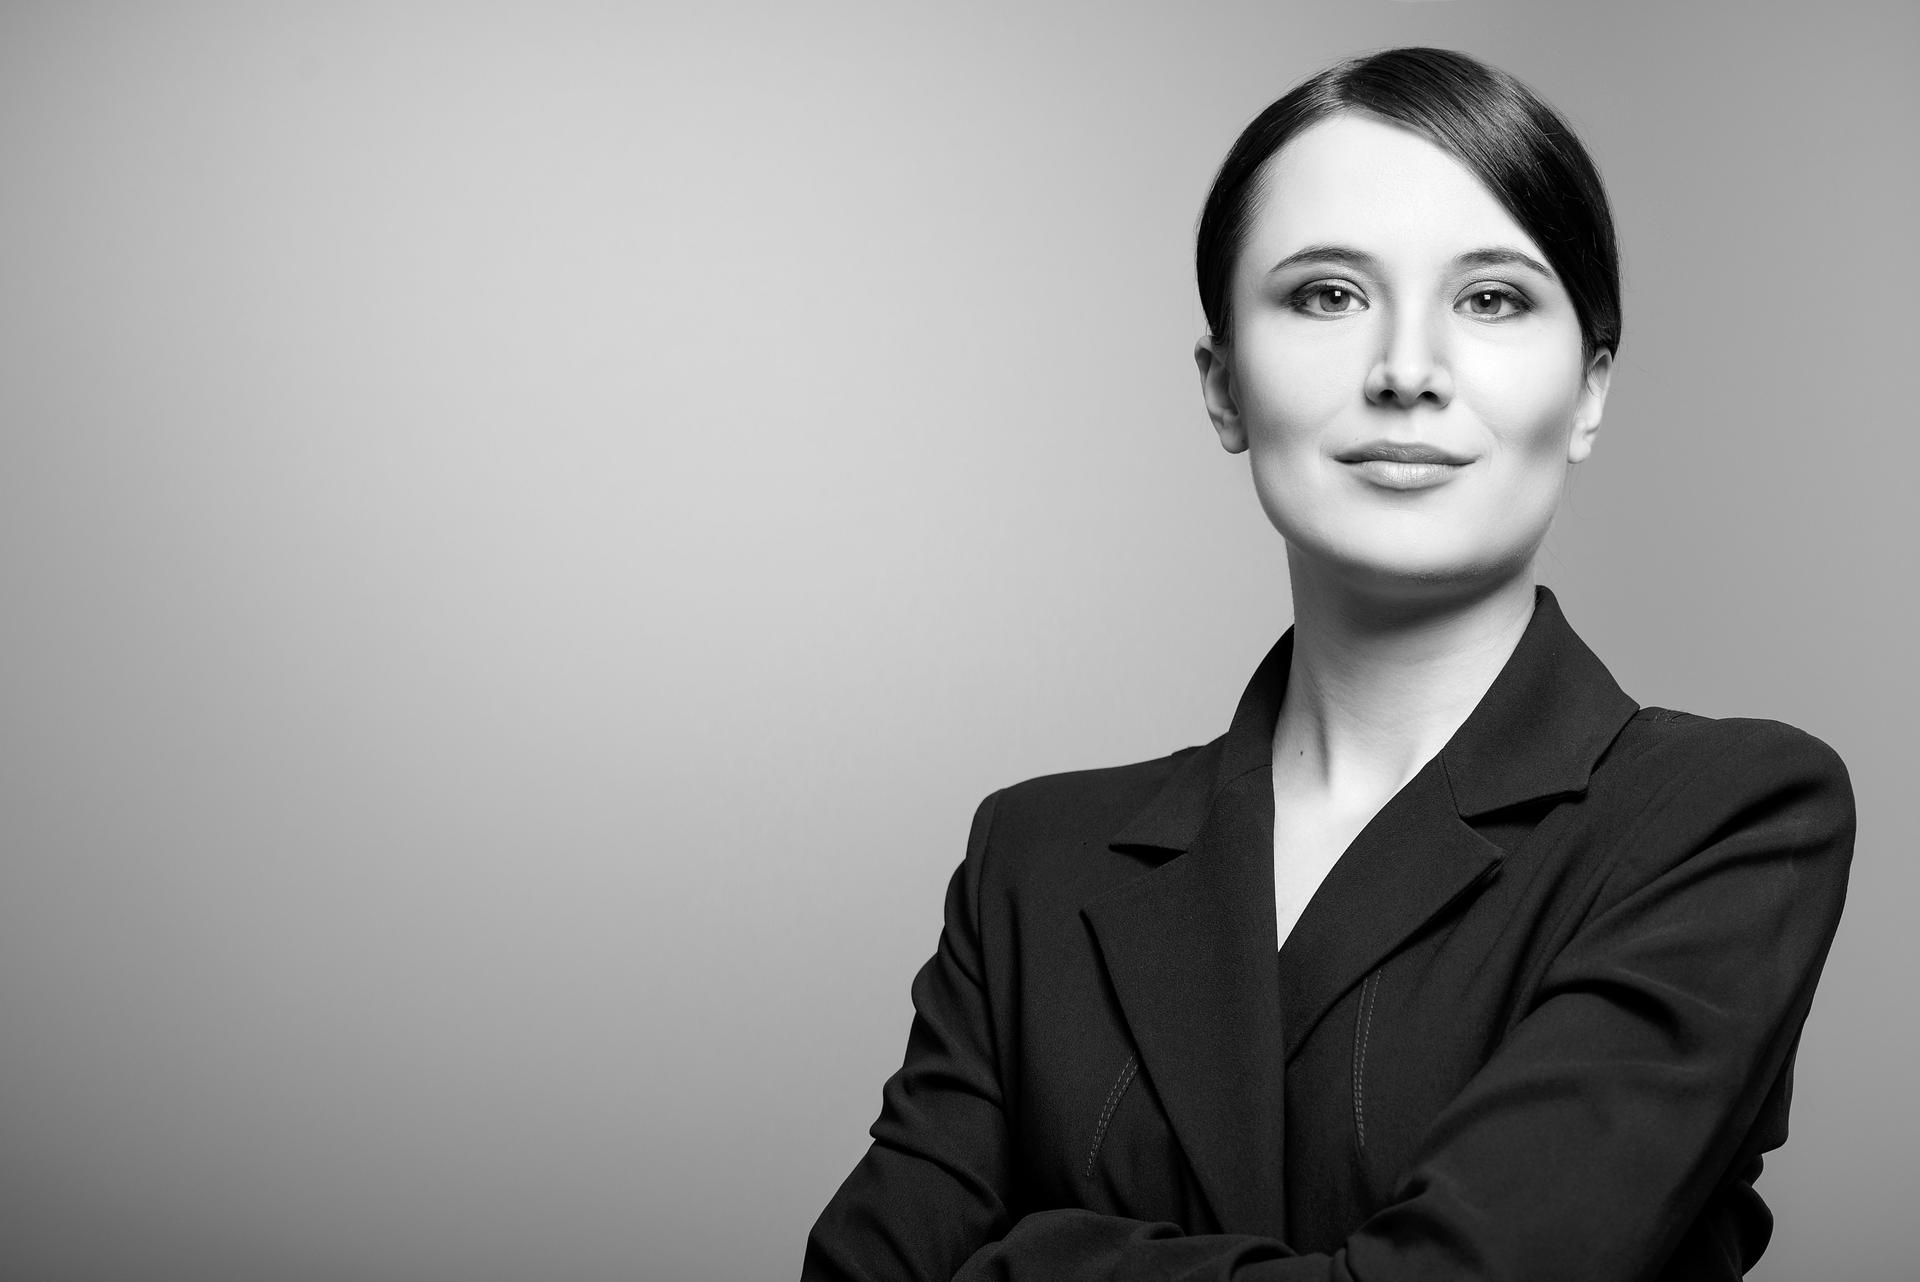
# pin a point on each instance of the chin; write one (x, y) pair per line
(1402, 569)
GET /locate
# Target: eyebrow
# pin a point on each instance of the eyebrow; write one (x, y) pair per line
(1505, 258)
(1348, 256)
(1325, 254)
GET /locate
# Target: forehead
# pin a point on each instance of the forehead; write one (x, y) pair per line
(1361, 181)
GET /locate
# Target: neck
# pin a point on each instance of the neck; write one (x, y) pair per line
(1377, 686)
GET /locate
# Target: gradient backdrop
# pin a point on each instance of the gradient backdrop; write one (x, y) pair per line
(525, 532)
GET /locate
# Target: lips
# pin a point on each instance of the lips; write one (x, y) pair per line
(1401, 452)
(1403, 465)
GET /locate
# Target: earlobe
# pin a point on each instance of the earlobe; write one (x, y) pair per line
(1593, 399)
(1216, 388)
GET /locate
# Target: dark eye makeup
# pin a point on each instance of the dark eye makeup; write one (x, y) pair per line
(1327, 298)
(1489, 301)
(1486, 300)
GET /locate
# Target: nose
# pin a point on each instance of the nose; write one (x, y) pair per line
(1412, 366)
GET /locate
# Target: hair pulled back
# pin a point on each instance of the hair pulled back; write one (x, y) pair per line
(1510, 139)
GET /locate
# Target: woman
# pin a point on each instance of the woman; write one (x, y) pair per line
(1446, 960)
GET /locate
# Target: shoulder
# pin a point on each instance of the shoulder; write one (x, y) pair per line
(1675, 784)
(1070, 804)
(1736, 754)
(1056, 829)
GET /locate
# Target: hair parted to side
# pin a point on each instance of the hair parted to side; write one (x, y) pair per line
(1517, 145)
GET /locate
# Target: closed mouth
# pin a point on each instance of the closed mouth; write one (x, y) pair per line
(1401, 452)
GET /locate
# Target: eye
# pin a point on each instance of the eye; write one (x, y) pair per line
(1327, 298)
(1493, 302)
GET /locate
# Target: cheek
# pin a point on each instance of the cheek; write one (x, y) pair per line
(1295, 389)
(1289, 399)
(1526, 404)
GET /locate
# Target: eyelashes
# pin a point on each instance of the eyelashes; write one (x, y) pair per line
(1493, 302)
(1483, 300)
(1327, 298)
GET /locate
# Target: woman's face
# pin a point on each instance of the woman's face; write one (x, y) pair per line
(1405, 368)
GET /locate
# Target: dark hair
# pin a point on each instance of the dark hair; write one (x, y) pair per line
(1498, 128)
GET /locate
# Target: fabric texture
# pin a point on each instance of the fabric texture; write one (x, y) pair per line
(1537, 1023)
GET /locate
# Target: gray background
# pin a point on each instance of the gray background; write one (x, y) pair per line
(525, 532)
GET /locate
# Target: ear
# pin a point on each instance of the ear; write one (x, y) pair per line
(1586, 413)
(1216, 388)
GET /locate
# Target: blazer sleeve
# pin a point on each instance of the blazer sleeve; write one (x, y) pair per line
(1588, 1143)
(931, 1188)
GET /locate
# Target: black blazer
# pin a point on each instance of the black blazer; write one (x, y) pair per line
(1537, 1023)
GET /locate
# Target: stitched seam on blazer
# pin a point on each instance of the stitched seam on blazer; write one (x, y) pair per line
(1120, 1085)
(1362, 1038)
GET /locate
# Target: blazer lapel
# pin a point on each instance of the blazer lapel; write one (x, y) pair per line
(1535, 734)
(1214, 1005)
(1407, 865)
(1190, 948)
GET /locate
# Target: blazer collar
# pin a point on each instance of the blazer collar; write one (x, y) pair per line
(1537, 732)
(1191, 945)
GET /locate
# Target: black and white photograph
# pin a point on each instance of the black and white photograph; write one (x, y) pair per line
(1046, 642)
